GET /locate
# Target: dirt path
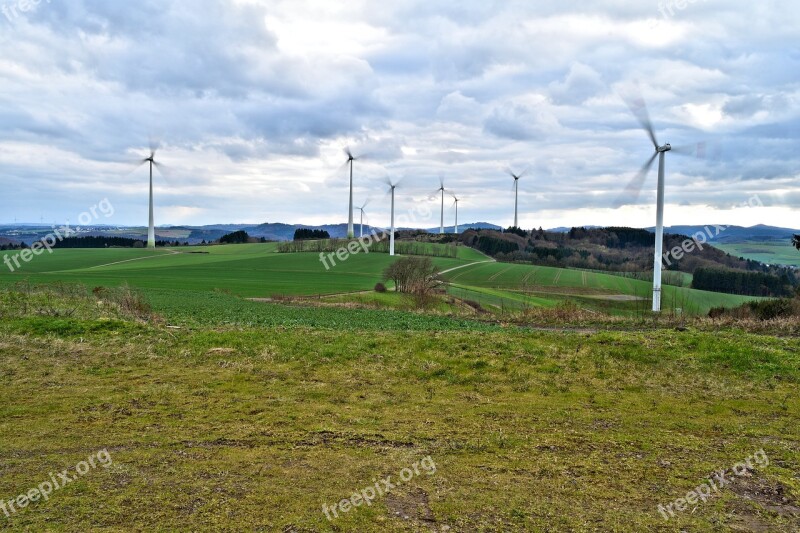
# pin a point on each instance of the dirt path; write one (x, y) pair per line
(465, 266)
(169, 252)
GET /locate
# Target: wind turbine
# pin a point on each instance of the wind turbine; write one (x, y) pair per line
(362, 217)
(516, 195)
(442, 190)
(639, 109)
(151, 231)
(392, 187)
(456, 204)
(350, 159)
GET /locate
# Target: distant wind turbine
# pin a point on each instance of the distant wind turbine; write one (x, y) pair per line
(350, 160)
(516, 195)
(362, 217)
(392, 187)
(441, 190)
(151, 231)
(456, 200)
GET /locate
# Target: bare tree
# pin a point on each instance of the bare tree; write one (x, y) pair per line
(412, 275)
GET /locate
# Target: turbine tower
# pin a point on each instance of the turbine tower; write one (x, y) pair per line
(362, 217)
(516, 196)
(350, 159)
(456, 204)
(441, 189)
(151, 231)
(639, 109)
(392, 187)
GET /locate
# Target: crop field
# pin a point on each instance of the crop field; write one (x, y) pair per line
(258, 271)
(540, 282)
(252, 270)
(771, 253)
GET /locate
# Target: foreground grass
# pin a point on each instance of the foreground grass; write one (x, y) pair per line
(244, 428)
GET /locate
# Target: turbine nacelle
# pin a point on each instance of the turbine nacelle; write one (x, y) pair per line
(666, 148)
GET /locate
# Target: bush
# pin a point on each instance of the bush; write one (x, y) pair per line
(380, 287)
(412, 275)
(763, 310)
(771, 309)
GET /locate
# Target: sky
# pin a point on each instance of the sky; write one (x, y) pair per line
(254, 101)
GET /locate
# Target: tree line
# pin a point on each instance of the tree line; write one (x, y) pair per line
(741, 282)
(306, 234)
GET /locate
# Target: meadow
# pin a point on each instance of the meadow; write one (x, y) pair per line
(771, 253)
(258, 271)
(243, 389)
(220, 427)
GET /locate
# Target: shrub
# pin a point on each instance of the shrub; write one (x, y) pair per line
(412, 275)
(771, 309)
(380, 287)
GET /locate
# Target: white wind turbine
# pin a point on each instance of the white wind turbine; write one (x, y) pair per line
(350, 160)
(362, 217)
(516, 195)
(392, 187)
(441, 190)
(455, 203)
(639, 109)
(151, 231)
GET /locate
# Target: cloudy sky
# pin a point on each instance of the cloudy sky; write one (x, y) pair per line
(253, 102)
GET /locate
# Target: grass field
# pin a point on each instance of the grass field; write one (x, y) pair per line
(532, 284)
(251, 270)
(214, 427)
(771, 253)
(258, 271)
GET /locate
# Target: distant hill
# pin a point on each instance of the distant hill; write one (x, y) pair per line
(563, 229)
(736, 234)
(277, 231)
(730, 235)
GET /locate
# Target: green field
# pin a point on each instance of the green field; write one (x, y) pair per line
(258, 271)
(249, 270)
(771, 253)
(532, 284)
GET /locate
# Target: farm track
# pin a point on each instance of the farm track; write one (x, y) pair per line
(529, 274)
(168, 252)
(500, 273)
(461, 267)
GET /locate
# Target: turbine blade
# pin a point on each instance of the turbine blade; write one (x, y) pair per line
(334, 179)
(702, 150)
(164, 170)
(638, 107)
(155, 144)
(134, 165)
(348, 153)
(634, 188)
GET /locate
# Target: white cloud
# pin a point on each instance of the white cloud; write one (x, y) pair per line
(255, 99)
